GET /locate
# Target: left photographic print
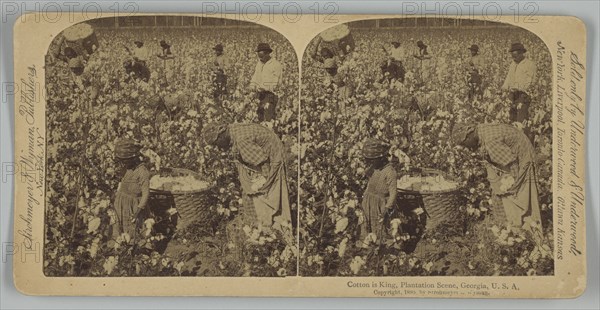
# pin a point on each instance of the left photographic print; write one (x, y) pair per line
(169, 149)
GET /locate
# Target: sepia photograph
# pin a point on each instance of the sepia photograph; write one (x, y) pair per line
(169, 149)
(186, 154)
(427, 150)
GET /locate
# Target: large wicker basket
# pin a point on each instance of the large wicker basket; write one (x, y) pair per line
(81, 38)
(192, 206)
(338, 39)
(440, 206)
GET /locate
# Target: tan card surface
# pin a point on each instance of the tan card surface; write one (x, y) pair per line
(360, 156)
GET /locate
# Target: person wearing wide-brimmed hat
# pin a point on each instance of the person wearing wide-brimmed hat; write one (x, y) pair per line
(511, 169)
(260, 160)
(474, 69)
(265, 82)
(134, 190)
(519, 82)
(219, 67)
(379, 199)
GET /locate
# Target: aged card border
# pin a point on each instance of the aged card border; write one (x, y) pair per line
(570, 272)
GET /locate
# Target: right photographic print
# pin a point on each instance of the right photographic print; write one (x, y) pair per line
(426, 150)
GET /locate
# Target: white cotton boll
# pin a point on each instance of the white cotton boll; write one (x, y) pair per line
(325, 116)
(341, 225)
(402, 157)
(148, 224)
(395, 223)
(342, 247)
(172, 211)
(93, 225)
(506, 183)
(180, 183)
(258, 183)
(356, 264)
(427, 183)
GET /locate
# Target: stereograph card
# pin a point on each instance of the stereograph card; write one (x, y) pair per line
(343, 156)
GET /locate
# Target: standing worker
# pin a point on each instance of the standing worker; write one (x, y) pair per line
(137, 65)
(320, 55)
(519, 81)
(393, 67)
(422, 54)
(166, 54)
(474, 68)
(334, 79)
(379, 199)
(165, 48)
(134, 190)
(140, 53)
(337, 81)
(219, 77)
(265, 82)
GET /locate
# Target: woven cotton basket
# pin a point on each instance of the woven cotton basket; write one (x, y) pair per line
(192, 206)
(441, 206)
